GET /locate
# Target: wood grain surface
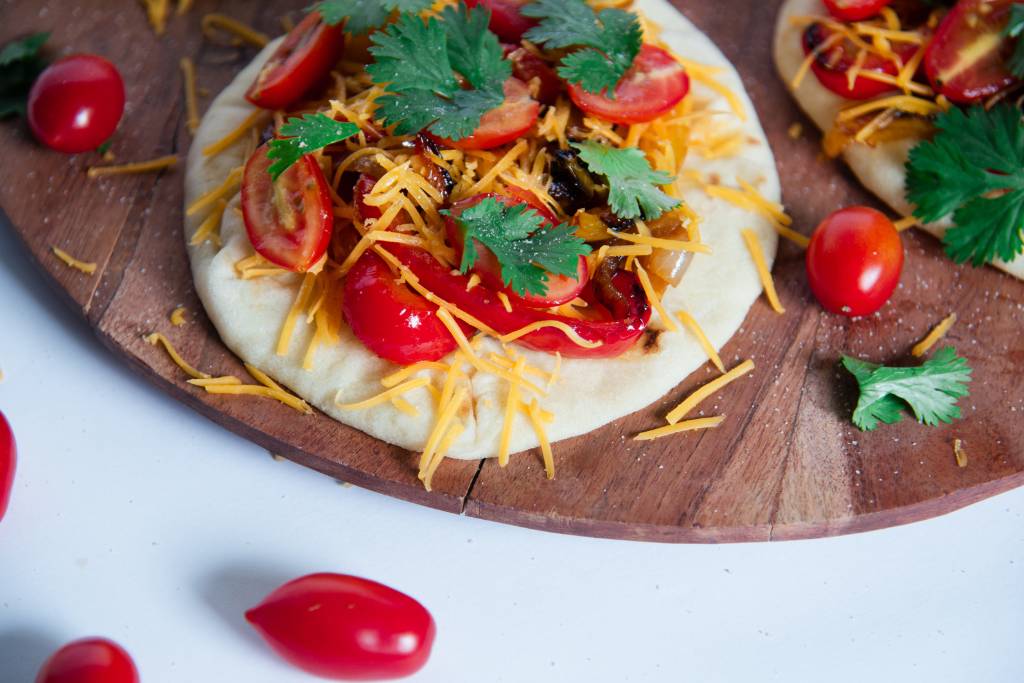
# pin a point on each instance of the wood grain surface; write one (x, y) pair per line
(786, 464)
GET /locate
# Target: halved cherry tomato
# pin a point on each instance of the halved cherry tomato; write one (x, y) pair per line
(620, 311)
(653, 85)
(527, 66)
(831, 65)
(344, 627)
(508, 122)
(76, 103)
(303, 60)
(507, 21)
(390, 319)
(967, 59)
(290, 221)
(854, 261)
(8, 463)
(90, 660)
(855, 10)
(560, 288)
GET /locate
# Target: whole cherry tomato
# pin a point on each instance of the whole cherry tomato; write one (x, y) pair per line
(346, 628)
(90, 660)
(303, 60)
(653, 85)
(289, 220)
(855, 10)
(8, 461)
(854, 261)
(76, 103)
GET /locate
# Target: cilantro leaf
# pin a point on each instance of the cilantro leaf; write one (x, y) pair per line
(20, 64)
(930, 390)
(634, 185)
(1014, 30)
(974, 169)
(304, 136)
(420, 61)
(526, 250)
(363, 16)
(611, 40)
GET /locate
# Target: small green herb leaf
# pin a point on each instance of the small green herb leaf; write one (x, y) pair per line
(973, 169)
(526, 250)
(611, 40)
(635, 190)
(930, 390)
(420, 63)
(20, 64)
(305, 136)
(363, 16)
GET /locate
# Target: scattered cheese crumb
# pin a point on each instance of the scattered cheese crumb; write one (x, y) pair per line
(937, 333)
(961, 455)
(178, 316)
(685, 426)
(86, 267)
(150, 166)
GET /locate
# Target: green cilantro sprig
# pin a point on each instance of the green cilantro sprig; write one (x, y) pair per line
(527, 251)
(611, 40)
(973, 169)
(306, 135)
(635, 190)
(1015, 29)
(363, 16)
(20, 64)
(421, 62)
(930, 390)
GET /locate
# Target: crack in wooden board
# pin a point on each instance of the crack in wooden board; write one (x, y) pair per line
(787, 464)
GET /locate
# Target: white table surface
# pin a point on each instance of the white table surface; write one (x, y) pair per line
(135, 518)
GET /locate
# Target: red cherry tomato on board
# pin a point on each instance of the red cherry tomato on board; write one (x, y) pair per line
(560, 288)
(8, 462)
(831, 65)
(854, 261)
(653, 85)
(289, 221)
(967, 59)
(76, 103)
(345, 628)
(510, 121)
(90, 660)
(855, 10)
(303, 60)
(507, 21)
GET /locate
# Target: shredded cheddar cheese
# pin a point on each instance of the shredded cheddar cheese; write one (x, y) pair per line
(157, 338)
(694, 399)
(188, 72)
(178, 316)
(152, 166)
(705, 343)
(283, 397)
(236, 135)
(537, 420)
(86, 267)
(750, 237)
(512, 403)
(210, 198)
(679, 427)
(384, 396)
(652, 296)
(213, 22)
(573, 336)
(960, 453)
(937, 333)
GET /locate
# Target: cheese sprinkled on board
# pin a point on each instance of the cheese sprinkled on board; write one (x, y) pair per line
(178, 316)
(679, 427)
(694, 399)
(86, 267)
(960, 453)
(152, 166)
(188, 73)
(937, 333)
(214, 22)
(157, 338)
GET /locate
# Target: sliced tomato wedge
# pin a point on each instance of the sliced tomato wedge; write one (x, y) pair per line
(527, 66)
(507, 19)
(561, 289)
(967, 59)
(290, 221)
(620, 310)
(855, 10)
(832, 65)
(653, 85)
(302, 61)
(393, 321)
(508, 122)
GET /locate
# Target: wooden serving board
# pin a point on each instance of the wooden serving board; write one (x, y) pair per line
(786, 464)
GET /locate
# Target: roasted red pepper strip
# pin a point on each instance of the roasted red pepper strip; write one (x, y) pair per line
(618, 323)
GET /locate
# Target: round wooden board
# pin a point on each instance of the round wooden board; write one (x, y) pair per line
(786, 464)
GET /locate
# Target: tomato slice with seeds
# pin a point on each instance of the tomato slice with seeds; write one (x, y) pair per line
(561, 288)
(832, 65)
(855, 10)
(289, 221)
(967, 59)
(653, 85)
(507, 19)
(302, 61)
(500, 126)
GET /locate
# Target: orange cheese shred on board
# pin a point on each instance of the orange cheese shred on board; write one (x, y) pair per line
(679, 427)
(694, 399)
(933, 338)
(151, 166)
(87, 267)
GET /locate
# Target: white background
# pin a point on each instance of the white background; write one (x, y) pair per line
(135, 518)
